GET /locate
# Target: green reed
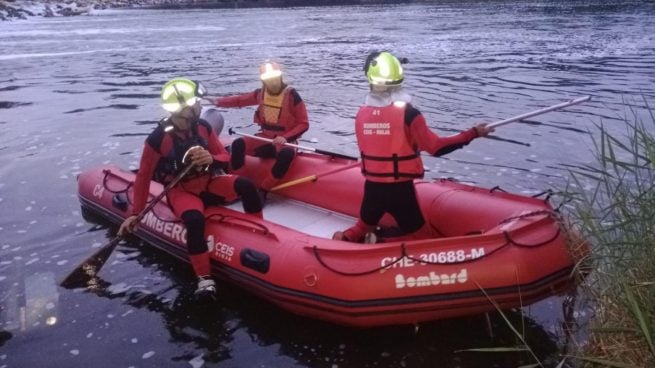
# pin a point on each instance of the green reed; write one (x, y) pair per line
(613, 201)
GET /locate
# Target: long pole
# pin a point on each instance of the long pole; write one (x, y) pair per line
(539, 112)
(304, 148)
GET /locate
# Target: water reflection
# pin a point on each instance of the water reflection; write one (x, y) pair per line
(202, 326)
(30, 303)
(441, 343)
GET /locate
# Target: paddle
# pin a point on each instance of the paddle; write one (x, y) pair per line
(304, 148)
(88, 269)
(539, 112)
(313, 177)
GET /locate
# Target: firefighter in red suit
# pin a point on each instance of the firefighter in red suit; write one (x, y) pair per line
(282, 117)
(391, 133)
(183, 139)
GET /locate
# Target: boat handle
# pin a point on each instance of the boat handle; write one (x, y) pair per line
(242, 222)
(108, 172)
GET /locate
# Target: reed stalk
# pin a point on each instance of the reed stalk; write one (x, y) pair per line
(613, 203)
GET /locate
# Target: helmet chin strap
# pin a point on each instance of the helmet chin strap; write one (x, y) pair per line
(196, 109)
(195, 115)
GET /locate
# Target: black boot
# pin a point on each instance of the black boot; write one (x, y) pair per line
(263, 195)
(206, 290)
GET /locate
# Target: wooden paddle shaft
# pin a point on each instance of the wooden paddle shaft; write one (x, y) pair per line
(313, 177)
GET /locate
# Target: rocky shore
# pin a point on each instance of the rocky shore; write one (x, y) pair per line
(17, 9)
(22, 9)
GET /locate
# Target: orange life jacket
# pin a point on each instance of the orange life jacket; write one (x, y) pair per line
(273, 113)
(388, 154)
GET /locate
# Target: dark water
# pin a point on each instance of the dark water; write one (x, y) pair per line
(78, 92)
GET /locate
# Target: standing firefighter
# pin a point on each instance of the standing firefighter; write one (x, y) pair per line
(391, 133)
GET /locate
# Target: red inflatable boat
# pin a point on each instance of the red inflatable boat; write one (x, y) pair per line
(487, 244)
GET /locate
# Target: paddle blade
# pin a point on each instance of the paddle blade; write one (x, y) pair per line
(83, 274)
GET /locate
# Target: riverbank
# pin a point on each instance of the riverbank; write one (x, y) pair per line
(22, 9)
(616, 209)
(12, 10)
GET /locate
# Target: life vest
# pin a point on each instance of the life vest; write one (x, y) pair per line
(172, 150)
(273, 114)
(387, 152)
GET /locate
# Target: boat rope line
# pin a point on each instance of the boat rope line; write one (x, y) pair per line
(497, 188)
(402, 305)
(176, 220)
(553, 214)
(403, 248)
(405, 255)
(318, 257)
(273, 291)
(549, 193)
(127, 197)
(106, 186)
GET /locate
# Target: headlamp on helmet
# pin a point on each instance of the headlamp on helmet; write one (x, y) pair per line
(269, 70)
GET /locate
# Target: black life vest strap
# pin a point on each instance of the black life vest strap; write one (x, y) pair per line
(170, 166)
(272, 127)
(394, 157)
(396, 167)
(397, 176)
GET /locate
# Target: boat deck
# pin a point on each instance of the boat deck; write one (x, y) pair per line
(301, 216)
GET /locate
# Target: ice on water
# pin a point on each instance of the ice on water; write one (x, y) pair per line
(197, 362)
(148, 354)
(119, 288)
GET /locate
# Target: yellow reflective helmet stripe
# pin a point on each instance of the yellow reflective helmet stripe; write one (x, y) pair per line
(177, 94)
(385, 69)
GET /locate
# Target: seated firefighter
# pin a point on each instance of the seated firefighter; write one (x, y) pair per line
(282, 117)
(179, 140)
